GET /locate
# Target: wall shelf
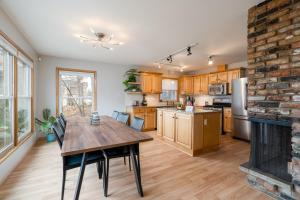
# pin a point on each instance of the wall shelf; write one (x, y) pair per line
(133, 92)
(134, 83)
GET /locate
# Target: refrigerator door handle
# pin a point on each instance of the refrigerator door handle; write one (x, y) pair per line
(246, 98)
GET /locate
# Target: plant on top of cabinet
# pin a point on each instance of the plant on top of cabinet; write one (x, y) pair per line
(131, 84)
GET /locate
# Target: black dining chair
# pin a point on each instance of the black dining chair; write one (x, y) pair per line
(74, 161)
(121, 152)
(123, 117)
(62, 116)
(61, 123)
(115, 114)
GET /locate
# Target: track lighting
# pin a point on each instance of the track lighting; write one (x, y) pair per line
(170, 59)
(210, 60)
(189, 52)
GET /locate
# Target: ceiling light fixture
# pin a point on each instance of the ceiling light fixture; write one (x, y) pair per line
(159, 66)
(181, 69)
(170, 59)
(101, 40)
(210, 60)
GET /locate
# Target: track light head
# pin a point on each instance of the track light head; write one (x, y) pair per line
(210, 60)
(189, 51)
(170, 59)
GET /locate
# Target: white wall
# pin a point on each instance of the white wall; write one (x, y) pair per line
(8, 165)
(110, 90)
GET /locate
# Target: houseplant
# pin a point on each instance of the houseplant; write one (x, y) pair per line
(131, 75)
(45, 126)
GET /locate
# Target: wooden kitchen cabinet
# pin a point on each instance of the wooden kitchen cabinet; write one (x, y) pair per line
(156, 83)
(183, 130)
(146, 113)
(222, 77)
(227, 120)
(151, 83)
(186, 85)
(197, 84)
(213, 78)
(192, 133)
(232, 74)
(146, 83)
(204, 84)
(159, 122)
(169, 125)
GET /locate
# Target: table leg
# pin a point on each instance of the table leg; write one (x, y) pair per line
(137, 170)
(81, 173)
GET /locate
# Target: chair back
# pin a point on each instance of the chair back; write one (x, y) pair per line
(59, 134)
(115, 114)
(123, 117)
(137, 124)
(62, 116)
(61, 123)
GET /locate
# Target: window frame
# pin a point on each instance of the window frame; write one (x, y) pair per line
(18, 54)
(61, 69)
(177, 91)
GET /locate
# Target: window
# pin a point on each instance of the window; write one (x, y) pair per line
(15, 95)
(24, 99)
(169, 90)
(6, 100)
(77, 92)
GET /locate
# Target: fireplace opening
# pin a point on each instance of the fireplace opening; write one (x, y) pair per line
(271, 148)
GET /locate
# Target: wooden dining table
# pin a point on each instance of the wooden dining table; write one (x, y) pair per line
(81, 138)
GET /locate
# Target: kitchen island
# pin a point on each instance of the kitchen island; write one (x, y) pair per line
(191, 132)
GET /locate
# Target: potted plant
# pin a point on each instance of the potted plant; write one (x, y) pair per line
(130, 82)
(45, 126)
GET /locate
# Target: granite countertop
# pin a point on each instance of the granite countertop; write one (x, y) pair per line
(196, 111)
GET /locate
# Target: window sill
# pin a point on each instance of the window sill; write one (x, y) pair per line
(13, 149)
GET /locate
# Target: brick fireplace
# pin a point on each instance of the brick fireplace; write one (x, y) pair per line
(274, 98)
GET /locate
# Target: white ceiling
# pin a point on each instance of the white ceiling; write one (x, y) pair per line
(150, 29)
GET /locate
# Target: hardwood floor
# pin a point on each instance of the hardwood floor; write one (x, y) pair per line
(167, 173)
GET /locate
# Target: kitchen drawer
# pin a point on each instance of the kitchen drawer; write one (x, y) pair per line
(227, 112)
(138, 110)
(151, 110)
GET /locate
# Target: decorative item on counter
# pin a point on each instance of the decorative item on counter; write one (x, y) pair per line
(190, 101)
(179, 106)
(131, 84)
(189, 109)
(95, 118)
(144, 102)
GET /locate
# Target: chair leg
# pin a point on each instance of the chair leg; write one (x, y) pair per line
(99, 169)
(129, 163)
(106, 177)
(63, 184)
(124, 160)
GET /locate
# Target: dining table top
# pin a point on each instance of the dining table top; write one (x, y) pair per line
(82, 137)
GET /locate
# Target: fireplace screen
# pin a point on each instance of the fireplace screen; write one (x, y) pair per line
(271, 149)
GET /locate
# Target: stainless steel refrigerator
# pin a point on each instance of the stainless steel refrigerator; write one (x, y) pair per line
(241, 125)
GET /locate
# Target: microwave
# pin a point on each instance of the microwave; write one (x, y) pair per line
(218, 89)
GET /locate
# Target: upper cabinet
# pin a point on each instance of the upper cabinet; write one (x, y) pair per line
(151, 83)
(201, 84)
(213, 78)
(234, 74)
(186, 85)
(204, 84)
(222, 77)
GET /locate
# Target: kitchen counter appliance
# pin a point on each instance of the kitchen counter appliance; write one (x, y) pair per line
(218, 89)
(241, 125)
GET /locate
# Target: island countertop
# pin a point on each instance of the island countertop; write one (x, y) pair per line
(196, 111)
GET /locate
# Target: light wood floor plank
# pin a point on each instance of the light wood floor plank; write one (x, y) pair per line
(167, 174)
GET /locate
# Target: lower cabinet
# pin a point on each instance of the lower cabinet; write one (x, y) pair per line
(183, 130)
(159, 122)
(191, 133)
(227, 120)
(146, 113)
(169, 125)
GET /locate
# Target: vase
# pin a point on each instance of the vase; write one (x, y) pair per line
(50, 137)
